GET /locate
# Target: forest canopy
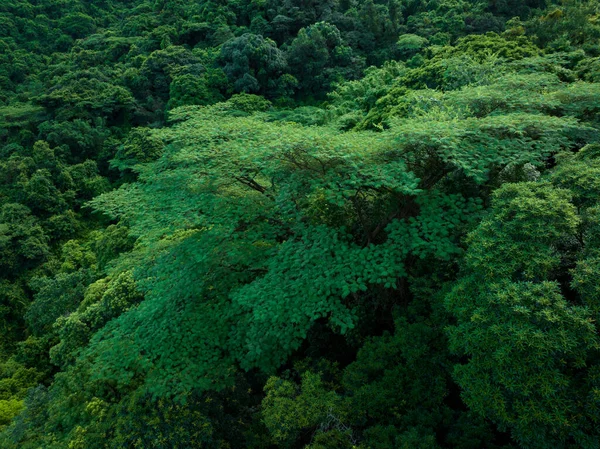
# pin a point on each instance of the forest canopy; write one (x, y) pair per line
(351, 224)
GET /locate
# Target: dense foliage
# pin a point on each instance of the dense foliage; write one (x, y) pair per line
(367, 224)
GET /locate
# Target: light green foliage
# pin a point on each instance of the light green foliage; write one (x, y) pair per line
(522, 92)
(528, 218)
(580, 100)
(244, 199)
(306, 115)
(103, 301)
(8, 410)
(589, 68)
(412, 263)
(289, 409)
(15, 380)
(248, 103)
(472, 61)
(18, 115)
(479, 148)
(436, 231)
(524, 339)
(256, 206)
(305, 281)
(410, 44)
(69, 286)
(353, 100)
(579, 174)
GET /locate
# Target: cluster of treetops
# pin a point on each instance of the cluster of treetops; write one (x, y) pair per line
(321, 224)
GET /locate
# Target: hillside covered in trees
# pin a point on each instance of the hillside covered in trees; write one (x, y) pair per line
(319, 224)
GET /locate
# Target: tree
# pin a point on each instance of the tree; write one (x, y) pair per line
(162, 66)
(77, 25)
(409, 261)
(531, 345)
(23, 242)
(253, 64)
(318, 58)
